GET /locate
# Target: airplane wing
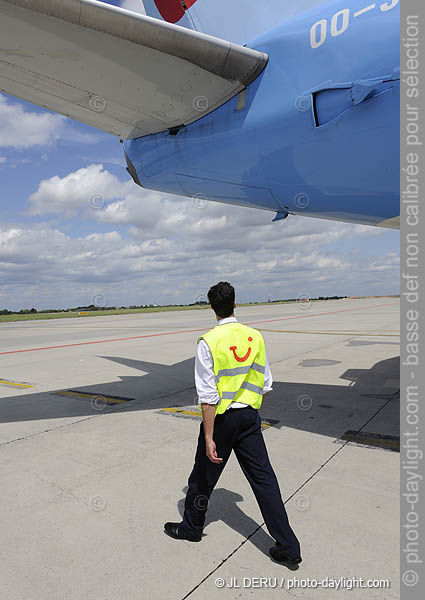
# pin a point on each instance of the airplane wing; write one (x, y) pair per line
(122, 72)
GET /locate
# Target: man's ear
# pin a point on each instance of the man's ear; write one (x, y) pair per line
(234, 304)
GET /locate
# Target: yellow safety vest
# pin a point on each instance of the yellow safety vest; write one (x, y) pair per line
(239, 359)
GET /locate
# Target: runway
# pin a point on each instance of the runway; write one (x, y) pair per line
(98, 428)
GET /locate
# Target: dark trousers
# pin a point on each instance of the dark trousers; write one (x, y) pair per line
(239, 429)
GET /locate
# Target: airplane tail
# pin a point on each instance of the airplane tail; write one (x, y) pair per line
(238, 21)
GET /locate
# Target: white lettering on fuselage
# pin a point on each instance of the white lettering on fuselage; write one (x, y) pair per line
(341, 21)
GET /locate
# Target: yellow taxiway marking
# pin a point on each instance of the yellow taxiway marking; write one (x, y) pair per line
(370, 439)
(15, 384)
(354, 333)
(106, 399)
(379, 443)
(182, 411)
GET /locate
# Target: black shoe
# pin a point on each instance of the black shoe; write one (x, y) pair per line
(278, 555)
(176, 531)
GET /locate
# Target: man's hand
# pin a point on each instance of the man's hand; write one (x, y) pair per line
(212, 452)
(208, 416)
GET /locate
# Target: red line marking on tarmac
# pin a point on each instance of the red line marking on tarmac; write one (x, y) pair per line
(149, 335)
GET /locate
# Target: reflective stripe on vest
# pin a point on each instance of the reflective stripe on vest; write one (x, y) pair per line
(239, 358)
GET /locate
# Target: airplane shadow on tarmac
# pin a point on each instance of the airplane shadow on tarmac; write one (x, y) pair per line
(318, 408)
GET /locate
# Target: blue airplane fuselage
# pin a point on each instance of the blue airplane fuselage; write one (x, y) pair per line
(317, 133)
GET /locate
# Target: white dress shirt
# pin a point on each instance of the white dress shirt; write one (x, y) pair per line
(204, 374)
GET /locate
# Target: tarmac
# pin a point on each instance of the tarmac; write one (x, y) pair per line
(98, 429)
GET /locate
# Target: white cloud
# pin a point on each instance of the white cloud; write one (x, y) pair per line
(42, 266)
(367, 230)
(20, 128)
(88, 189)
(388, 262)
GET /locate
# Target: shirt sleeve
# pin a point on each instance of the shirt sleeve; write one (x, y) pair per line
(204, 375)
(268, 379)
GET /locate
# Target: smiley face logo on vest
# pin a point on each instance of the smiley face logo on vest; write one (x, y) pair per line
(241, 358)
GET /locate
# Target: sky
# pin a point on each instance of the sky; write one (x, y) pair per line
(75, 228)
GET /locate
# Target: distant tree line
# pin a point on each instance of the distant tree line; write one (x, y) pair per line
(93, 307)
(304, 299)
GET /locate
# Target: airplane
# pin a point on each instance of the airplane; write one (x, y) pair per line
(290, 107)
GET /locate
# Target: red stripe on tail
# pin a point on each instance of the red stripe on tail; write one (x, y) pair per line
(173, 10)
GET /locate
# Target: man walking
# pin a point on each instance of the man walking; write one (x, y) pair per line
(231, 376)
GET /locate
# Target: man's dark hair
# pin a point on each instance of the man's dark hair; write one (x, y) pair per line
(222, 298)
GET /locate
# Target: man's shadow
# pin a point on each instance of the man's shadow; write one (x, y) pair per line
(223, 507)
